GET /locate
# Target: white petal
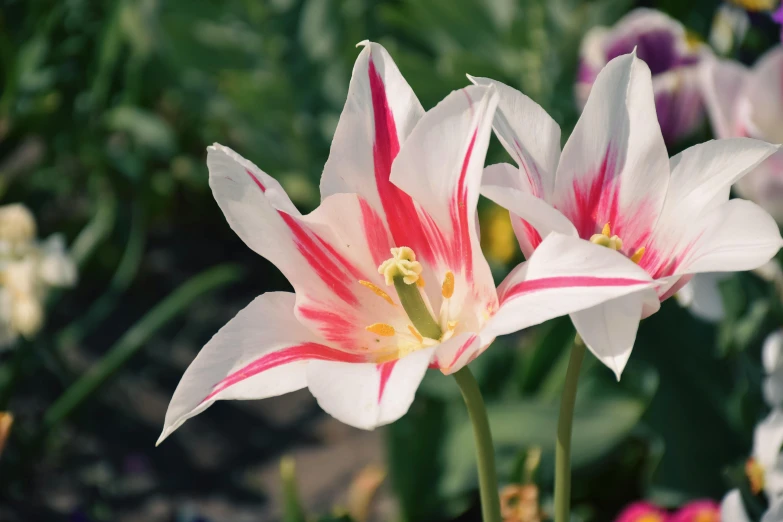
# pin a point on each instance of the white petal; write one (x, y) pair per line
(458, 351)
(532, 217)
(738, 235)
(368, 395)
(773, 514)
(764, 185)
(772, 389)
(732, 508)
(763, 98)
(380, 112)
(262, 352)
(609, 329)
(702, 175)
(56, 266)
(702, 296)
(564, 275)
(772, 352)
(614, 167)
(722, 82)
(440, 167)
(767, 439)
(529, 134)
(324, 255)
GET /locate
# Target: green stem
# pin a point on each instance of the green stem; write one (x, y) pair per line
(563, 449)
(485, 452)
(416, 308)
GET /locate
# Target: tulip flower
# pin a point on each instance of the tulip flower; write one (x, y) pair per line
(732, 509)
(388, 274)
(614, 187)
(642, 512)
(744, 102)
(672, 56)
(698, 511)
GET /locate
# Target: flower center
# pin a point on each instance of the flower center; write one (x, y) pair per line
(606, 239)
(403, 272)
(755, 473)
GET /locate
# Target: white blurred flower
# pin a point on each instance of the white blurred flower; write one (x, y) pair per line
(702, 297)
(56, 268)
(729, 27)
(772, 359)
(28, 270)
(17, 224)
(733, 510)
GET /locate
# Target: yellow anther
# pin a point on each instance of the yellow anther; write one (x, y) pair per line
(403, 262)
(382, 329)
(378, 291)
(447, 290)
(420, 281)
(415, 333)
(452, 324)
(604, 239)
(755, 474)
(637, 256)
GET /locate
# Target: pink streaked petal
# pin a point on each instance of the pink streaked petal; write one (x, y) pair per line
(458, 351)
(368, 395)
(300, 352)
(532, 217)
(385, 369)
(440, 166)
(266, 330)
(379, 114)
(564, 275)
(614, 167)
(529, 135)
(305, 249)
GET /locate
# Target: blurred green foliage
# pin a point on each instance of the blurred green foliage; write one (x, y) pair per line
(105, 112)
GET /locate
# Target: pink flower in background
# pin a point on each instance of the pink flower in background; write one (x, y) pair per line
(749, 102)
(698, 511)
(778, 17)
(388, 273)
(642, 512)
(614, 186)
(672, 57)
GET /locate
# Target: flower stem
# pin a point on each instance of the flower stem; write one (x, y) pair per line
(563, 449)
(485, 453)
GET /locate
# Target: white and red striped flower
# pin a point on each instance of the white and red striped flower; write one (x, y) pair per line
(613, 185)
(749, 102)
(388, 273)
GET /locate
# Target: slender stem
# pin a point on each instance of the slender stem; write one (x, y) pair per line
(563, 449)
(485, 453)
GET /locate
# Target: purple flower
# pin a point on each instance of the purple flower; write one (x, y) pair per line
(663, 44)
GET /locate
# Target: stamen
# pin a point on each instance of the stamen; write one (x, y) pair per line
(603, 239)
(452, 324)
(637, 256)
(382, 329)
(415, 333)
(378, 291)
(402, 263)
(420, 281)
(447, 290)
(755, 473)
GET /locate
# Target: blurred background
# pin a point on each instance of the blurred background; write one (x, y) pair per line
(106, 109)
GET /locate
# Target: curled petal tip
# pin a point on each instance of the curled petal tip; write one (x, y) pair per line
(364, 43)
